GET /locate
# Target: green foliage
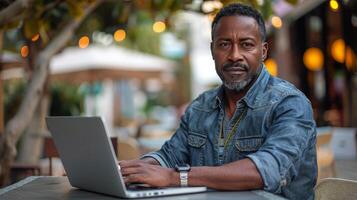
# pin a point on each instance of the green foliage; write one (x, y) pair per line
(266, 9)
(46, 18)
(138, 35)
(161, 98)
(75, 8)
(66, 100)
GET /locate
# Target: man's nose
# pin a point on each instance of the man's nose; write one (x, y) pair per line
(235, 54)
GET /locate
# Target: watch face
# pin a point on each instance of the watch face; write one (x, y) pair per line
(185, 167)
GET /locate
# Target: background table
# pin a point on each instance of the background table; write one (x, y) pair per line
(49, 187)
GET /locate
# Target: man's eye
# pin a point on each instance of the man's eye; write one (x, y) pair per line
(224, 44)
(247, 45)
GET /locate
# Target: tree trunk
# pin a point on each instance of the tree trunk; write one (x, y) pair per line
(1, 87)
(34, 91)
(32, 142)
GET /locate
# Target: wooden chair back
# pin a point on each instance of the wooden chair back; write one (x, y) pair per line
(325, 157)
(323, 139)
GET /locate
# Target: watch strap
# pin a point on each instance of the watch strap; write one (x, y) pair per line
(183, 178)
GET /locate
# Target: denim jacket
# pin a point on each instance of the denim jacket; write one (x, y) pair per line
(276, 131)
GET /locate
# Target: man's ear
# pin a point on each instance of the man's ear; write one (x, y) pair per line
(211, 47)
(265, 50)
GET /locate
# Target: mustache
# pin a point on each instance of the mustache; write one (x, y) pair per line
(235, 64)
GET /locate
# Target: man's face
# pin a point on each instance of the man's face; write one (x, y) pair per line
(237, 50)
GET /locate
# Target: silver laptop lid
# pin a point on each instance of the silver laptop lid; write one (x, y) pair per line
(87, 167)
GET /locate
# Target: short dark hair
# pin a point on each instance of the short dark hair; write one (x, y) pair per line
(240, 10)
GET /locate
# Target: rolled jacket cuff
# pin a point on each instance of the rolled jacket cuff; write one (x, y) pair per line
(268, 172)
(157, 157)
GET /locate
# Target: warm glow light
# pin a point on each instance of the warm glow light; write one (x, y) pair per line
(271, 66)
(313, 59)
(334, 5)
(276, 22)
(210, 6)
(35, 37)
(159, 27)
(119, 35)
(350, 58)
(342, 53)
(24, 51)
(83, 42)
(338, 50)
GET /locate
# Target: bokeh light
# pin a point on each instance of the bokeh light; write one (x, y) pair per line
(119, 35)
(24, 51)
(313, 59)
(342, 53)
(83, 42)
(338, 50)
(334, 5)
(210, 6)
(35, 37)
(350, 58)
(276, 22)
(271, 66)
(159, 27)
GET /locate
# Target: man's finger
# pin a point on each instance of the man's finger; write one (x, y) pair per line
(129, 163)
(134, 178)
(130, 170)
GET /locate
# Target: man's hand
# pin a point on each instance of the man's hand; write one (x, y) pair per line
(139, 171)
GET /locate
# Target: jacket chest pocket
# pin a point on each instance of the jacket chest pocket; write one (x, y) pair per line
(196, 142)
(245, 146)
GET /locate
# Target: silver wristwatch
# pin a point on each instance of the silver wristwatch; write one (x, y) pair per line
(183, 170)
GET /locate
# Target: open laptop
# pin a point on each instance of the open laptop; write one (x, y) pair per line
(90, 162)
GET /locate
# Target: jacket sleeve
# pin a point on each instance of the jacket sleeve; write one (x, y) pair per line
(291, 135)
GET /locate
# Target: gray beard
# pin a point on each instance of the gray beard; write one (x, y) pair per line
(237, 86)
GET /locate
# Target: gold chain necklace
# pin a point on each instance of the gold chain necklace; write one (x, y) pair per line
(232, 132)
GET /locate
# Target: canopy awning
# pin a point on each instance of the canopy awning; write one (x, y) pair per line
(102, 62)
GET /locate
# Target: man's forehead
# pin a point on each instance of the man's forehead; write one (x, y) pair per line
(237, 23)
(237, 20)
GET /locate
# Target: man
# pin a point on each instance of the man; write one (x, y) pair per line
(254, 132)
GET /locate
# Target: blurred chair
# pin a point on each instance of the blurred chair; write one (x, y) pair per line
(50, 150)
(325, 157)
(19, 171)
(128, 149)
(336, 189)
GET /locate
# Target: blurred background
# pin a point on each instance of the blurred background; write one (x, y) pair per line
(138, 63)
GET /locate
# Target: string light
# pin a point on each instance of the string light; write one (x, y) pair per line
(35, 37)
(83, 42)
(276, 22)
(24, 51)
(159, 27)
(119, 35)
(271, 66)
(313, 59)
(334, 5)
